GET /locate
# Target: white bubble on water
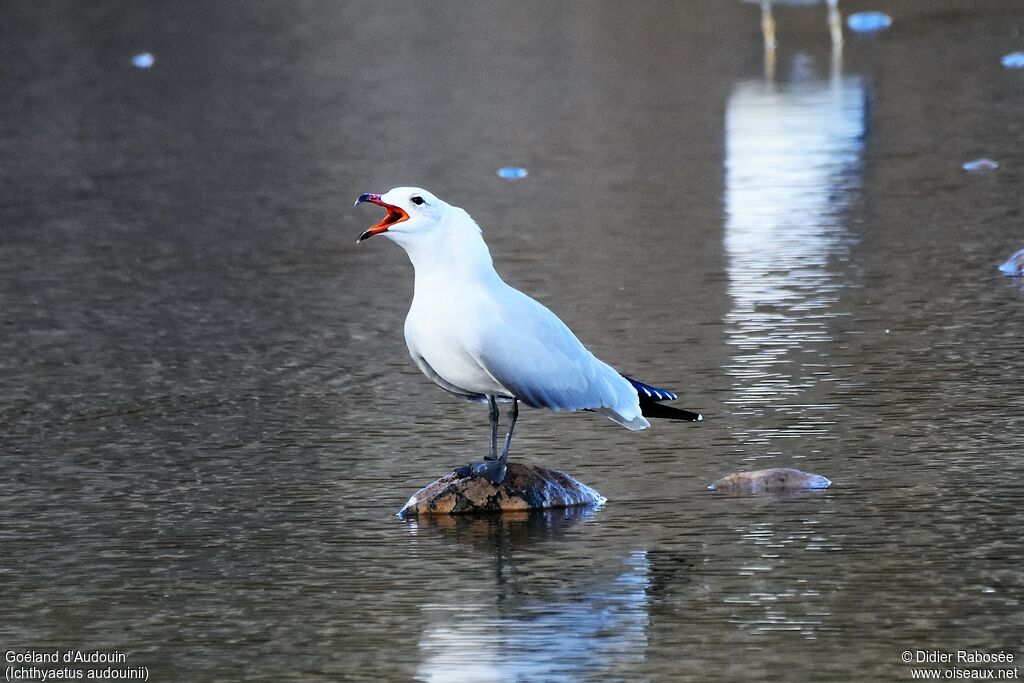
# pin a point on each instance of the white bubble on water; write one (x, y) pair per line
(976, 165)
(1014, 60)
(512, 172)
(868, 22)
(1014, 266)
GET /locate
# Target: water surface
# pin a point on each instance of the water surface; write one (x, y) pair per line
(209, 419)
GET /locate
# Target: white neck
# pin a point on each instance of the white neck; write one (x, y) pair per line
(454, 251)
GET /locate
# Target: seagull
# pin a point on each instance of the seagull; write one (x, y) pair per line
(482, 340)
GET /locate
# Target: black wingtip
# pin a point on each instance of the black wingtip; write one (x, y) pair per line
(649, 393)
(650, 407)
(658, 410)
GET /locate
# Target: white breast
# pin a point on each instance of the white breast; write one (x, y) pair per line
(442, 340)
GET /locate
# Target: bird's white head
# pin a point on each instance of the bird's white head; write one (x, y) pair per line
(412, 212)
(438, 237)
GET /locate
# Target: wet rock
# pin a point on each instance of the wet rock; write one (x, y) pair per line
(527, 487)
(775, 480)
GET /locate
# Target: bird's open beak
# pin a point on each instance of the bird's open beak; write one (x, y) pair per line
(396, 214)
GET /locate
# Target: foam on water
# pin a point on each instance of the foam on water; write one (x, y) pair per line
(868, 22)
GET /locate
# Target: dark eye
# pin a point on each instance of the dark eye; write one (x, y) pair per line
(417, 200)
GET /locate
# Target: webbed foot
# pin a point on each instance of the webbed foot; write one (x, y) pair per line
(493, 471)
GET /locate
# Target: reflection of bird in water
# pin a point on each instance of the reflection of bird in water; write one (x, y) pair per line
(584, 630)
(835, 21)
(835, 28)
(501, 536)
(512, 628)
(669, 571)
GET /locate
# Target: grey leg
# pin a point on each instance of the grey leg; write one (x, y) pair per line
(493, 471)
(513, 415)
(492, 413)
(492, 468)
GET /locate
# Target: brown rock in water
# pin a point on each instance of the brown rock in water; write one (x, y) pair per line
(526, 487)
(775, 480)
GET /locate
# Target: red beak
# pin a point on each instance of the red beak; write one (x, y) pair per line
(396, 214)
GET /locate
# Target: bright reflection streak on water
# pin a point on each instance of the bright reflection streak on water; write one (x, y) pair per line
(608, 622)
(792, 170)
(506, 631)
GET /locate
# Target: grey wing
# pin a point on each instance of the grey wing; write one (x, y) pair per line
(540, 361)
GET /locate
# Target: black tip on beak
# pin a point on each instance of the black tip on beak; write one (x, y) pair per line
(367, 198)
(365, 236)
